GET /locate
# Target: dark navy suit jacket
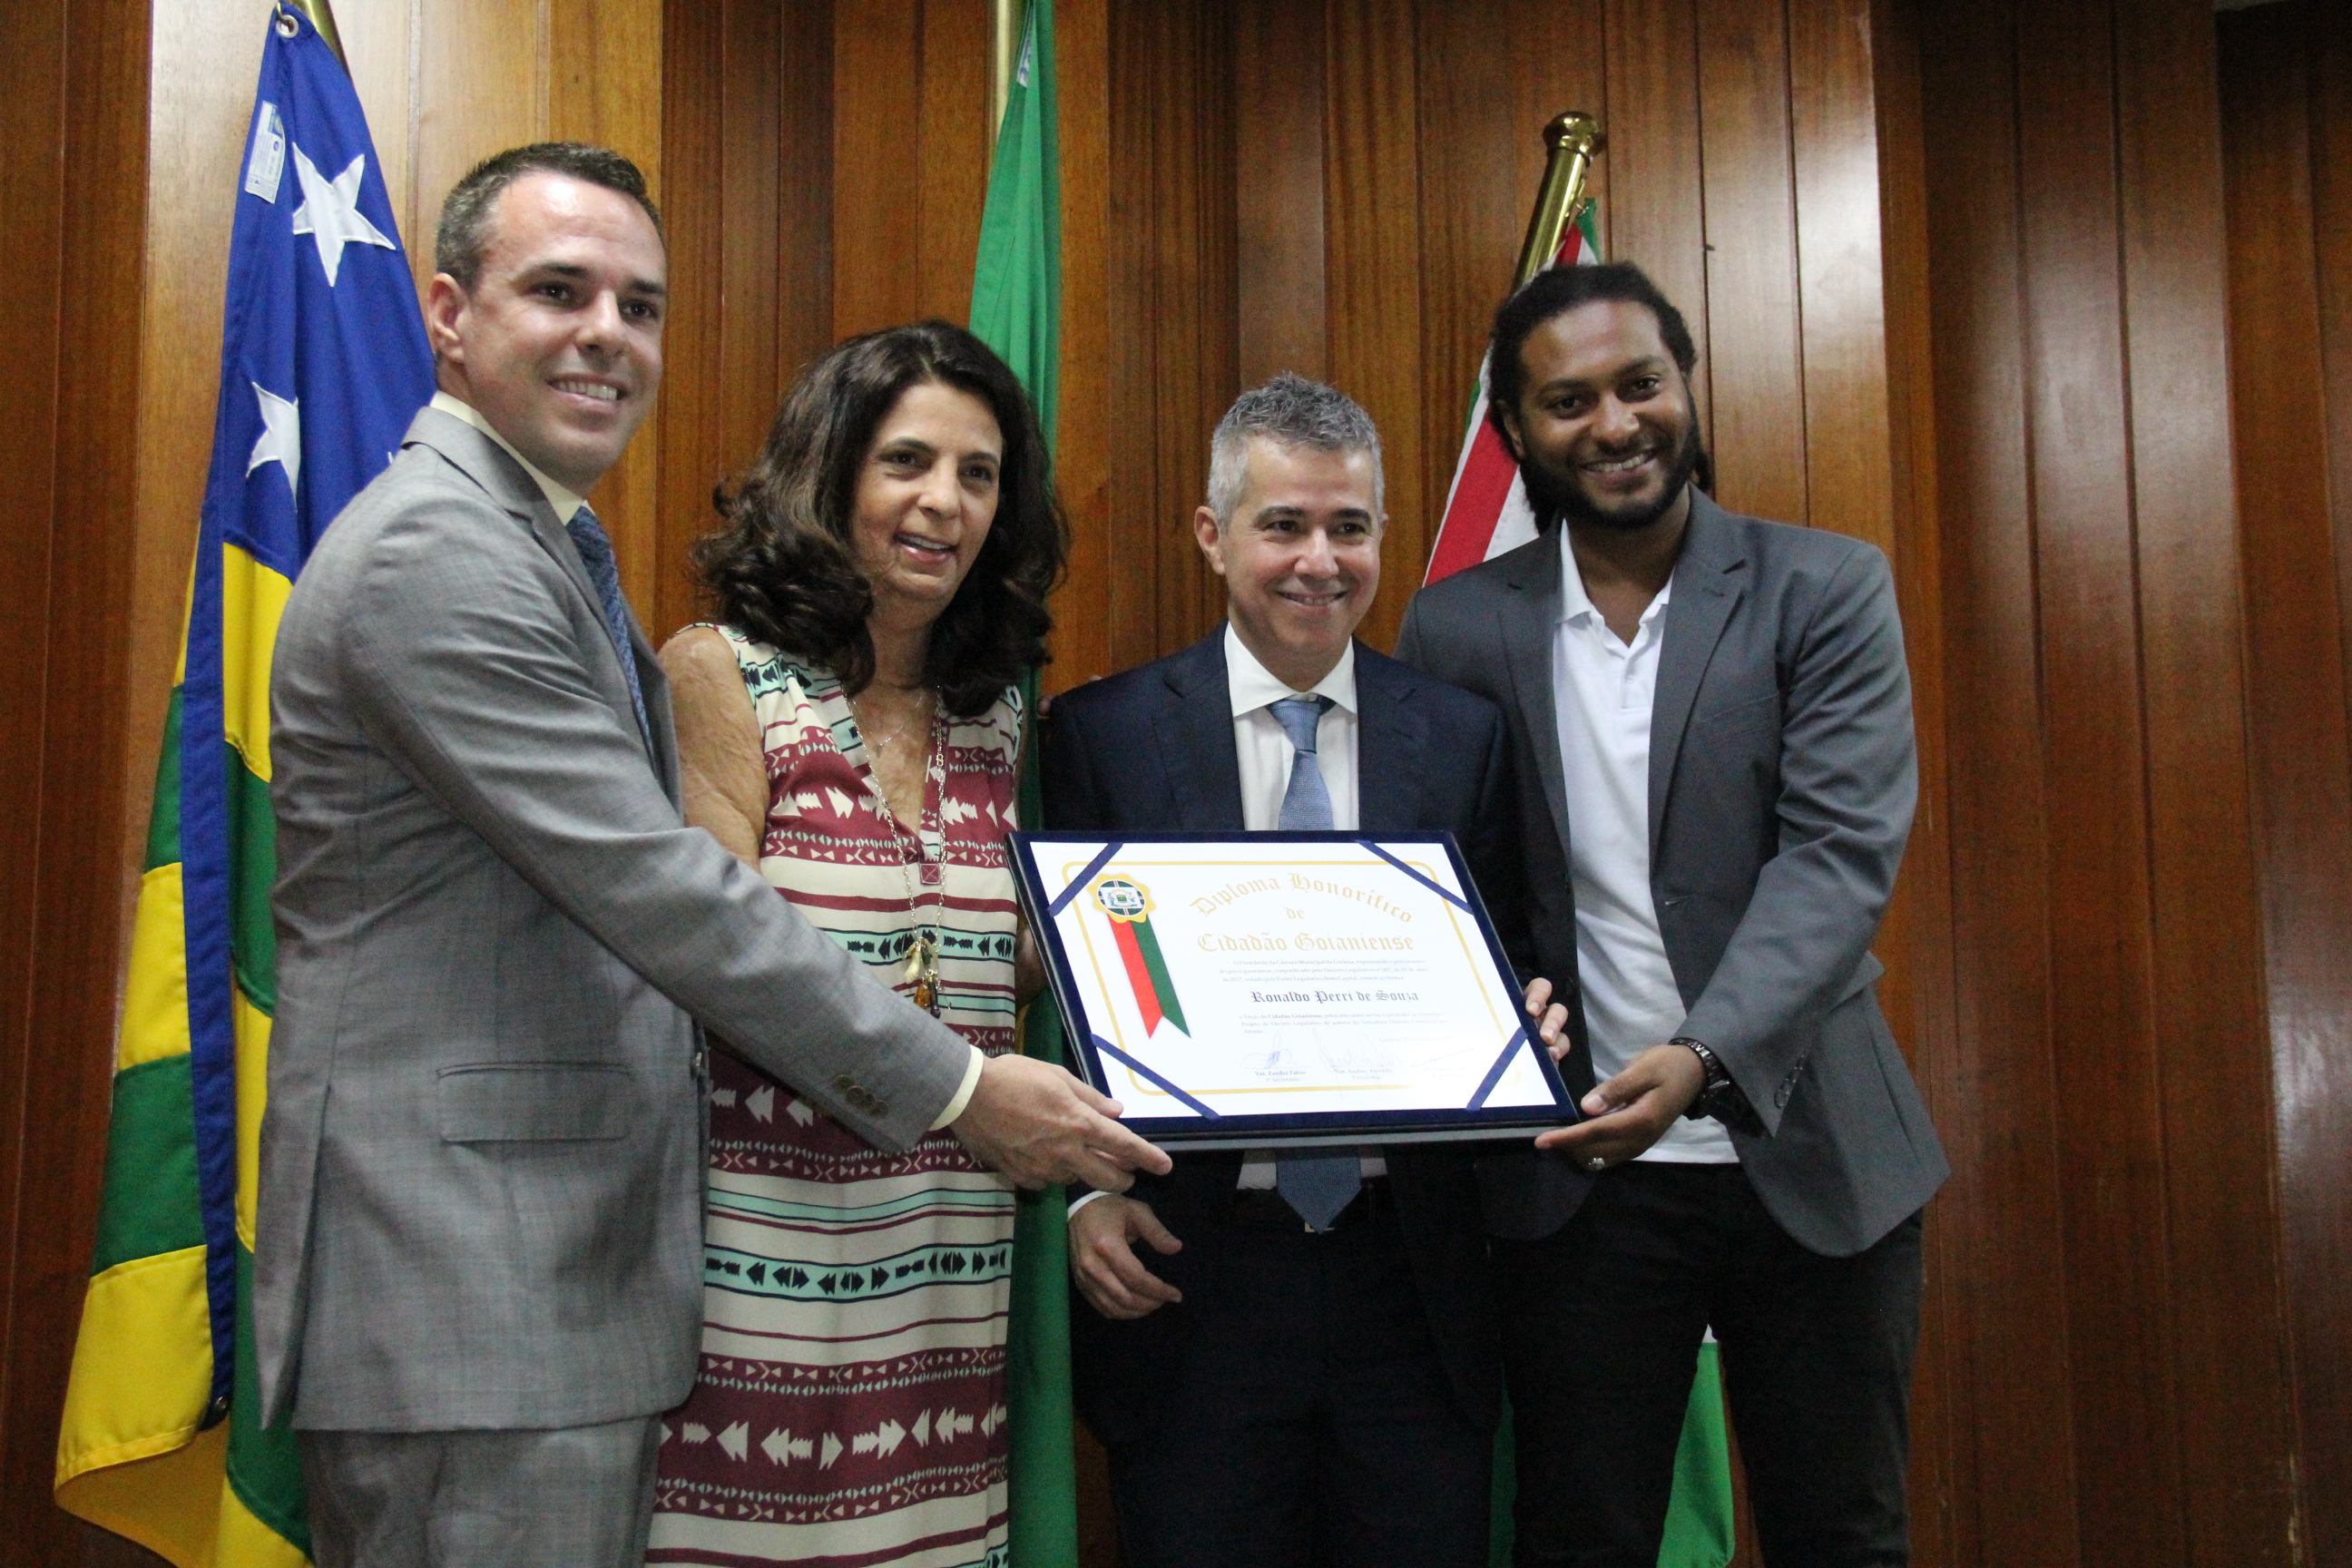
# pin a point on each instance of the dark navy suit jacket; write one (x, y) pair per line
(1153, 749)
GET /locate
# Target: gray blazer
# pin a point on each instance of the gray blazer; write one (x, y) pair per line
(1782, 780)
(482, 1158)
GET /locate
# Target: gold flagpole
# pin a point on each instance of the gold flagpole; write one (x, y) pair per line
(322, 16)
(1011, 19)
(1574, 138)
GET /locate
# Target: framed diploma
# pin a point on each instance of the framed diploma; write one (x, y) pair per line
(1250, 990)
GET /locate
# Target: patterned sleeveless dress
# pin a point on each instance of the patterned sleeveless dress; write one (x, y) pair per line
(849, 1408)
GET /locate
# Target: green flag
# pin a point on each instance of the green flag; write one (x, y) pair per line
(1016, 309)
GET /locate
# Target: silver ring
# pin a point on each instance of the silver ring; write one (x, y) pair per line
(1595, 1162)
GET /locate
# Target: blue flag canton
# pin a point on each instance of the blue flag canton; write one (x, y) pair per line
(324, 361)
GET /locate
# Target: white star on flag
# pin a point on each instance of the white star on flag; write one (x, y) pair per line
(330, 214)
(281, 436)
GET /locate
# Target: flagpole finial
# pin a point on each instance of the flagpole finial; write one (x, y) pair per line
(1011, 22)
(1574, 140)
(322, 16)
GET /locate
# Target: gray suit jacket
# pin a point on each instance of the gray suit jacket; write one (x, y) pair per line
(1782, 780)
(482, 1158)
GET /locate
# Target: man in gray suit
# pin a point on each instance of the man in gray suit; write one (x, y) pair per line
(1717, 712)
(477, 1272)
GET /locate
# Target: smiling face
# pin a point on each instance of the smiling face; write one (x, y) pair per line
(927, 493)
(1300, 555)
(558, 344)
(1606, 432)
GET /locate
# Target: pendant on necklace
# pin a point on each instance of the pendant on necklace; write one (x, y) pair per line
(923, 970)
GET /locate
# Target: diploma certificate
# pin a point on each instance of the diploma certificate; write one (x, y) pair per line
(1248, 990)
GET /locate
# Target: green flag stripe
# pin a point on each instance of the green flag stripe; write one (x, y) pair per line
(163, 816)
(148, 1204)
(265, 1469)
(252, 935)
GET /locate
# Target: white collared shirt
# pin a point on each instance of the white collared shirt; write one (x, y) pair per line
(565, 503)
(1263, 747)
(1603, 689)
(564, 500)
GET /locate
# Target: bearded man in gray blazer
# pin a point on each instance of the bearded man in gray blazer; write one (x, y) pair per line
(477, 1269)
(1712, 721)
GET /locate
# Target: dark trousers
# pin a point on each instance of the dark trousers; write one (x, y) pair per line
(1604, 1319)
(1311, 1423)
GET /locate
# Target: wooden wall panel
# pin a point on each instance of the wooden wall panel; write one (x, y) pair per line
(1085, 430)
(1840, 298)
(2286, 124)
(1757, 374)
(1372, 228)
(72, 175)
(2224, 1328)
(2110, 1142)
(1653, 215)
(1174, 358)
(2010, 1444)
(1918, 939)
(1281, 305)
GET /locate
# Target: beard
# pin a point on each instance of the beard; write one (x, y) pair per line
(1560, 495)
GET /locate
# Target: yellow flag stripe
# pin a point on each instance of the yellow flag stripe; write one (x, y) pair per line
(155, 995)
(170, 1504)
(143, 1364)
(253, 597)
(252, 1087)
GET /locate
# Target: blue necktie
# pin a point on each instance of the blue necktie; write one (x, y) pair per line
(595, 547)
(1316, 1187)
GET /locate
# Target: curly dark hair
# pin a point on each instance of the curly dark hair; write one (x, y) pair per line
(1556, 291)
(781, 566)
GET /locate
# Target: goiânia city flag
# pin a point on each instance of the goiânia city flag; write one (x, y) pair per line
(1128, 902)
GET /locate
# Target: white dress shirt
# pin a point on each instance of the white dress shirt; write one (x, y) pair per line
(1601, 691)
(566, 503)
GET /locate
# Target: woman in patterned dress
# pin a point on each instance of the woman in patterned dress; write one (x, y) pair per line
(851, 728)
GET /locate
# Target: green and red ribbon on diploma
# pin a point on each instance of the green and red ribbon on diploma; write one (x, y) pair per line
(1127, 903)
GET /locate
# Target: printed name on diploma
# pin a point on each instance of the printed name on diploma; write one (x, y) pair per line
(1324, 998)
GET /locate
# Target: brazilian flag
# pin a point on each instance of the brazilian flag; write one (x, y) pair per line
(323, 363)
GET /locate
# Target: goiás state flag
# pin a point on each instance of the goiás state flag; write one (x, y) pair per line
(323, 363)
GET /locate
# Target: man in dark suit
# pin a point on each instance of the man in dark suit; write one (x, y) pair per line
(1308, 1375)
(1714, 719)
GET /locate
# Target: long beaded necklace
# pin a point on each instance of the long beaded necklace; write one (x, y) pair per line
(923, 967)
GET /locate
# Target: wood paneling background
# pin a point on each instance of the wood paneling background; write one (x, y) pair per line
(1963, 285)
(2286, 137)
(2109, 1354)
(73, 157)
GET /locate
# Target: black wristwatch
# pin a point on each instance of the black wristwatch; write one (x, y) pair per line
(1718, 1096)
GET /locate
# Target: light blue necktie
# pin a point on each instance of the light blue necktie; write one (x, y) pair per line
(1316, 1187)
(595, 547)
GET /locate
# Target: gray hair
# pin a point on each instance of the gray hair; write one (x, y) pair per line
(1290, 411)
(464, 237)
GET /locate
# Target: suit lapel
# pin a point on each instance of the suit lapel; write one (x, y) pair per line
(1525, 618)
(503, 479)
(1390, 734)
(1709, 582)
(1195, 734)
